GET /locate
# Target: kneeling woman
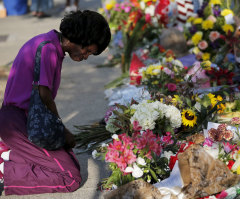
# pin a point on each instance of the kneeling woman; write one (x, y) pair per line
(25, 167)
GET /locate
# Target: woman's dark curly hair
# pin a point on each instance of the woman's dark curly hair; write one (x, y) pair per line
(86, 28)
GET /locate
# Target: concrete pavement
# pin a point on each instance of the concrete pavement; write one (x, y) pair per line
(80, 98)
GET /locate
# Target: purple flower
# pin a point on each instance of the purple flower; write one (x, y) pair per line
(193, 29)
(216, 10)
(228, 147)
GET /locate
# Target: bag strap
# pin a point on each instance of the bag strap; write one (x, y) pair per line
(38, 62)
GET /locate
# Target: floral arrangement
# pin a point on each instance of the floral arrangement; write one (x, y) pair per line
(163, 76)
(136, 156)
(210, 29)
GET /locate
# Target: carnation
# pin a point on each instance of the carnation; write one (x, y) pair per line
(203, 45)
(214, 35)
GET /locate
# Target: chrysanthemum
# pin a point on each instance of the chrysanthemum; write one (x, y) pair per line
(189, 117)
(197, 21)
(207, 24)
(196, 38)
(206, 56)
(227, 27)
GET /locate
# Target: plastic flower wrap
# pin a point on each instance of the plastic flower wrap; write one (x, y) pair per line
(210, 30)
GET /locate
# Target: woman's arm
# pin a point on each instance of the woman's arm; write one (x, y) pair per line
(47, 99)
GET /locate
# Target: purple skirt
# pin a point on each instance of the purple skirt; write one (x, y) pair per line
(31, 169)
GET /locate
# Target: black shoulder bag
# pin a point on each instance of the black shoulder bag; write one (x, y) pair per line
(44, 128)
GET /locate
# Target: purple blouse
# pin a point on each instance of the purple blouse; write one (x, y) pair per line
(19, 84)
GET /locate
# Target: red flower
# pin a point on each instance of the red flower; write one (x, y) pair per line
(230, 164)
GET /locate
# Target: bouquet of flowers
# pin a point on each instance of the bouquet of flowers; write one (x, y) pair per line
(163, 76)
(210, 30)
(136, 156)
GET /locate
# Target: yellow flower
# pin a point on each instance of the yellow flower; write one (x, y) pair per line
(189, 117)
(196, 38)
(206, 56)
(226, 12)
(190, 19)
(206, 65)
(109, 6)
(207, 24)
(101, 10)
(221, 108)
(196, 50)
(213, 99)
(176, 99)
(238, 170)
(216, 2)
(227, 27)
(153, 70)
(219, 98)
(197, 20)
(155, 82)
(169, 59)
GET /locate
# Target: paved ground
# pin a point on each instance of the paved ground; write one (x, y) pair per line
(80, 98)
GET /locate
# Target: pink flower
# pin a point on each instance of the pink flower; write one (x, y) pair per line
(121, 162)
(235, 121)
(212, 18)
(129, 156)
(228, 147)
(214, 35)
(167, 139)
(148, 18)
(112, 156)
(136, 126)
(168, 71)
(208, 142)
(127, 9)
(171, 87)
(222, 195)
(202, 45)
(116, 145)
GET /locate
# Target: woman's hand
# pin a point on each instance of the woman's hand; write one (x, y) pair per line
(70, 141)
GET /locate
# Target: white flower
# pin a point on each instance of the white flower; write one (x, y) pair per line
(150, 10)
(142, 5)
(128, 170)
(167, 154)
(137, 172)
(114, 186)
(94, 154)
(174, 115)
(178, 63)
(141, 161)
(115, 136)
(104, 145)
